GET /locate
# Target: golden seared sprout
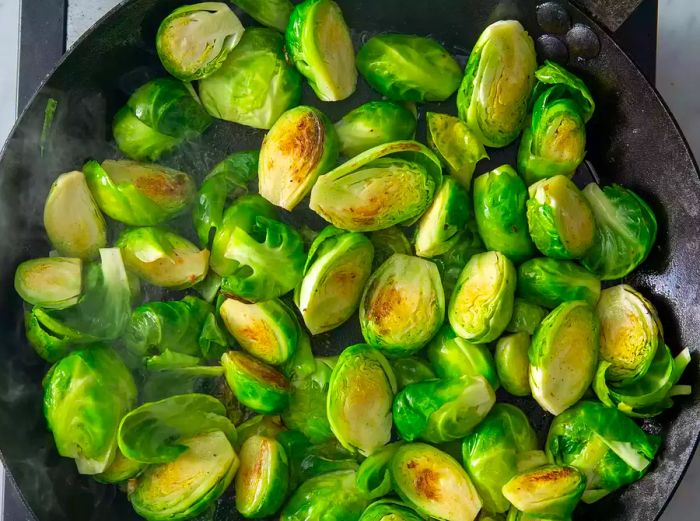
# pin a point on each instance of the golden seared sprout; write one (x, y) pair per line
(262, 479)
(403, 305)
(194, 40)
(386, 185)
(560, 219)
(299, 147)
(337, 268)
(319, 44)
(495, 92)
(564, 356)
(482, 302)
(51, 282)
(73, 222)
(255, 384)
(360, 396)
(271, 13)
(513, 364)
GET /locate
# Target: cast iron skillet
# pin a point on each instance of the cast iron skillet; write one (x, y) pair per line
(632, 140)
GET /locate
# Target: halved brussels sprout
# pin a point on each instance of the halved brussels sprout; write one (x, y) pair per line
(452, 263)
(403, 305)
(494, 95)
(452, 357)
(499, 207)
(319, 44)
(373, 476)
(372, 124)
(552, 75)
(389, 510)
(267, 330)
(85, 396)
(551, 491)
(300, 146)
(441, 226)
(228, 180)
(50, 282)
(630, 332)
(563, 356)
(139, 194)
(406, 67)
(482, 302)
(194, 40)
(490, 453)
(560, 219)
(73, 222)
(386, 185)
(255, 384)
(153, 432)
(337, 268)
(550, 282)
(526, 317)
(360, 395)
(255, 84)
(512, 363)
(185, 487)
(259, 425)
(387, 242)
(609, 448)
(455, 145)
(433, 483)
(262, 479)
(136, 140)
(163, 258)
(411, 370)
(625, 232)
(271, 13)
(442, 410)
(329, 496)
(120, 470)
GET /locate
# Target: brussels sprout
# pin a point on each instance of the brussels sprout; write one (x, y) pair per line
(499, 207)
(139, 194)
(512, 363)
(50, 282)
(319, 44)
(552, 75)
(403, 305)
(560, 219)
(651, 394)
(120, 470)
(609, 448)
(456, 146)
(411, 370)
(452, 357)
(360, 394)
(259, 425)
(563, 356)
(185, 487)
(442, 410)
(499, 77)
(255, 84)
(308, 461)
(153, 432)
(550, 282)
(267, 330)
(405, 67)
(255, 384)
(386, 185)
(48, 343)
(163, 258)
(302, 363)
(329, 496)
(337, 268)
(625, 232)
(482, 302)
(373, 476)
(551, 491)
(228, 180)
(85, 396)
(526, 317)
(159, 116)
(386, 242)
(73, 222)
(194, 40)
(490, 453)
(433, 483)
(389, 510)
(452, 263)
(262, 479)
(372, 124)
(440, 227)
(300, 146)
(271, 13)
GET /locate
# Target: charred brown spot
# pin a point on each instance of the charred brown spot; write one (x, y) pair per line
(551, 474)
(259, 370)
(383, 302)
(427, 483)
(162, 186)
(305, 140)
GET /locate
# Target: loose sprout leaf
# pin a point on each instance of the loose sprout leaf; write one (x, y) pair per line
(271, 13)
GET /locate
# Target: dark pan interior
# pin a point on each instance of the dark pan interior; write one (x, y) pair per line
(632, 140)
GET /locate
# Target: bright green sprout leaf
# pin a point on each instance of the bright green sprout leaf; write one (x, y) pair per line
(526, 317)
(271, 13)
(389, 509)
(550, 282)
(411, 370)
(373, 476)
